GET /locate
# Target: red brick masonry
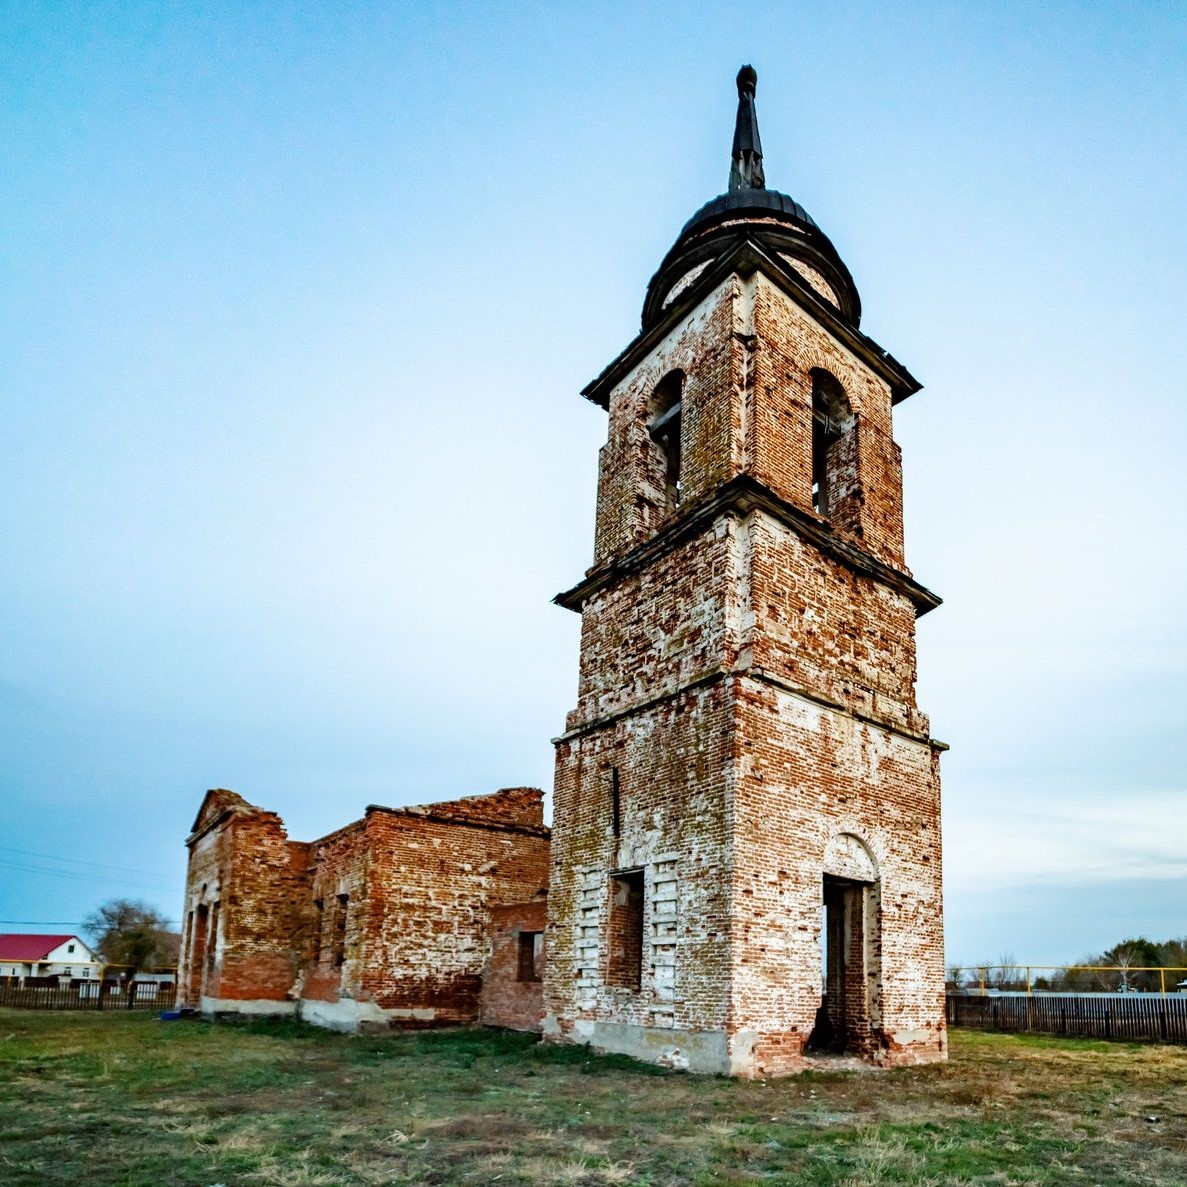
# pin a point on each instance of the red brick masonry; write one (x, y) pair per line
(512, 986)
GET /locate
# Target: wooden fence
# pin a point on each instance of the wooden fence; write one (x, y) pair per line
(148, 995)
(1130, 1017)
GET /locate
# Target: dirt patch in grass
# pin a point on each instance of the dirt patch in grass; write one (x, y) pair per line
(109, 1099)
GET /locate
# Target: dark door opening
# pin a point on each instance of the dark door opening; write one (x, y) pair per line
(197, 955)
(842, 1021)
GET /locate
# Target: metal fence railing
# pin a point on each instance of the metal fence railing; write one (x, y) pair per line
(135, 995)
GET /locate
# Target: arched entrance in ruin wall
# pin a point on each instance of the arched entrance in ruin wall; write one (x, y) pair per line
(850, 944)
(200, 947)
(197, 928)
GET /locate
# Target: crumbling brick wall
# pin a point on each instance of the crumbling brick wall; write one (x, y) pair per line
(335, 958)
(509, 806)
(384, 920)
(512, 980)
(632, 504)
(662, 628)
(822, 627)
(433, 878)
(246, 914)
(673, 763)
(807, 774)
(787, 344)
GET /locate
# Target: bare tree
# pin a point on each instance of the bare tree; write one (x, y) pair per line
(130, 933)
(1125, 962)
(1006, 974)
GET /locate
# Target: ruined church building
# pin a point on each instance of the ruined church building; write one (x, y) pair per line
(744, 864)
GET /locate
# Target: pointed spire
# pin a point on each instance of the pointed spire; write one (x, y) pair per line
(746, 167)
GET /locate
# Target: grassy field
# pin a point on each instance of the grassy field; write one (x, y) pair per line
(112, 1099)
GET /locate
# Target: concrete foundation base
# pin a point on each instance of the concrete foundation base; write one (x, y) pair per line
(695, 1051)
(745, 1053)
(349, 1015)
(223, 1007)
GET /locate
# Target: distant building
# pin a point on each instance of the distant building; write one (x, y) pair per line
(69, 957)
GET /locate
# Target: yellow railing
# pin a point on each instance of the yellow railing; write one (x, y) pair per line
(982, 973)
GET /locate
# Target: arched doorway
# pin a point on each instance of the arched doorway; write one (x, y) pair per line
(199, 929)
(850, 949)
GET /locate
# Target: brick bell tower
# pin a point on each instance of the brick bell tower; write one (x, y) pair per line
(746, 836)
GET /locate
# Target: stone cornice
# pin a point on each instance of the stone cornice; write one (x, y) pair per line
(213, 823)
(744, 259)
(742, 495)
(760, 676)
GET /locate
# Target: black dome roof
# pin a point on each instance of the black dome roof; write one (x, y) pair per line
(748, 210)
(736, 201)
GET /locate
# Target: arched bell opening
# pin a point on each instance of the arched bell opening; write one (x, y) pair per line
(834, 460)
(665, 428)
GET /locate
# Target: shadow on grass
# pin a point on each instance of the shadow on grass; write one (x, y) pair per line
(461, 1046)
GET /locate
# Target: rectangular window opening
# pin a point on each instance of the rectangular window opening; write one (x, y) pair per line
(212, 940)
(319, 932)
(531, 952)
(615, 803)
(625, 967)
(339, 944)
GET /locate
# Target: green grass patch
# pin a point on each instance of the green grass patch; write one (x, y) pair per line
(125, 1100)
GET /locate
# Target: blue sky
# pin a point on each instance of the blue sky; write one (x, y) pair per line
(296, 301)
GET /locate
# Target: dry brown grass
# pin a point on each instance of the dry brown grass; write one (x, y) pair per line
(126, 1100)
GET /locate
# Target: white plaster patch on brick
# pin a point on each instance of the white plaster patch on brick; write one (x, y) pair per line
(682, 285)
(213, 1007)
(813, 277)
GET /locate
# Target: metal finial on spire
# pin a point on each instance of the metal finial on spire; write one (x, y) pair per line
(746, 167)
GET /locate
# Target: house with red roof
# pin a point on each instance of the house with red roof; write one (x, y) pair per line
(67, 957)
